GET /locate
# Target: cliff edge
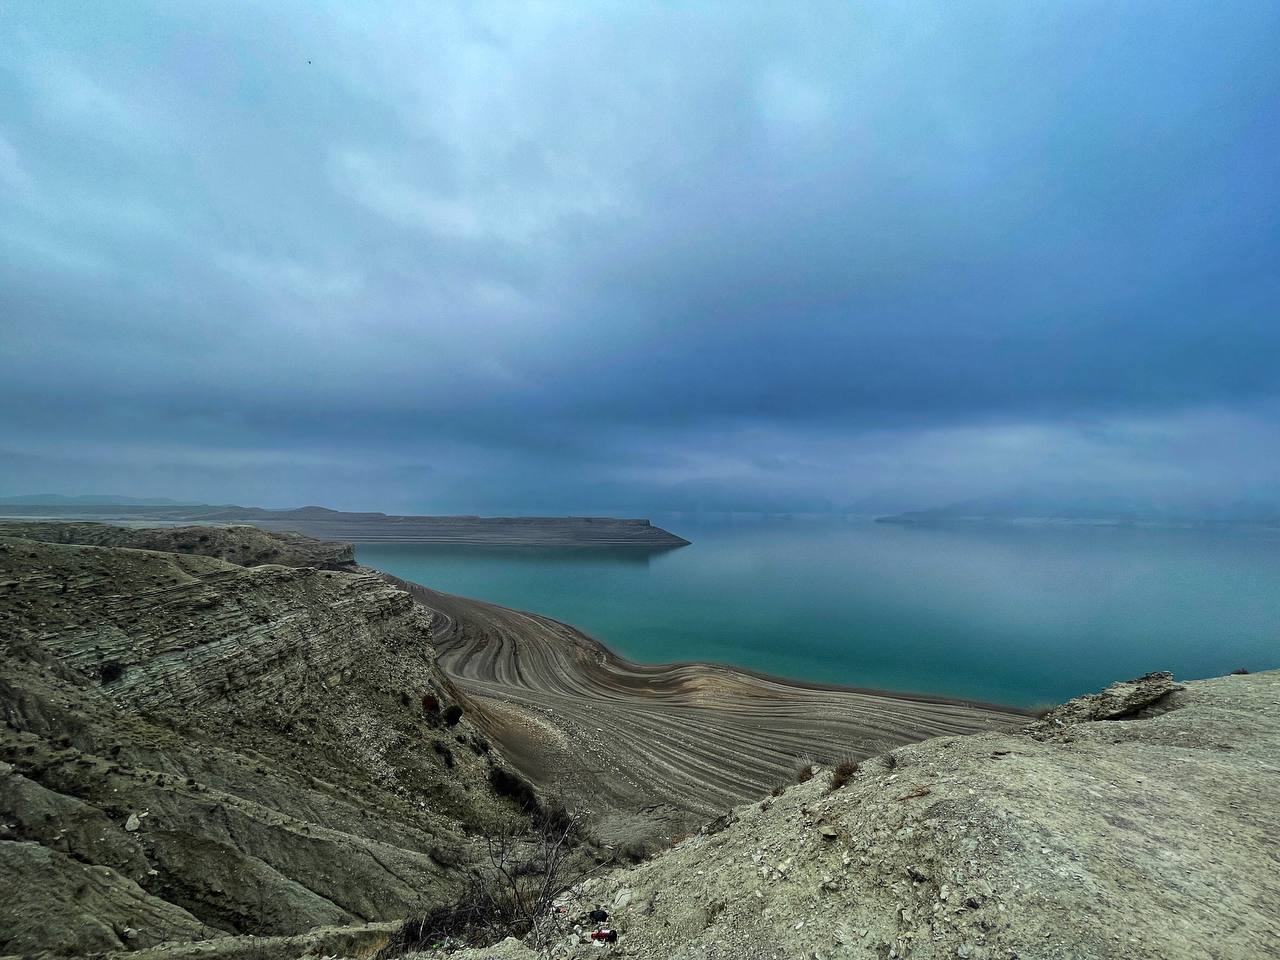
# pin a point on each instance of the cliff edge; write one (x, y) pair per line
(194, 749)
(1141, 823)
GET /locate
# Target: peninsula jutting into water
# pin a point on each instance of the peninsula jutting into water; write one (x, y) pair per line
(371, 527)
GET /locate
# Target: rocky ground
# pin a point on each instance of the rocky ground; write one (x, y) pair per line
(1140, 824)
(194, 748)
(243, 545)
(259, 760)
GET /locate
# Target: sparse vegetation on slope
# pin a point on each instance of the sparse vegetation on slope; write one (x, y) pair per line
(217, 749)
(1133, 825)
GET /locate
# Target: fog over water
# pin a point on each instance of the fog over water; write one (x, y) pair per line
(1018, 615)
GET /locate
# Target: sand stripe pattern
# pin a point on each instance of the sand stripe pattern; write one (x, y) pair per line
(673, 744)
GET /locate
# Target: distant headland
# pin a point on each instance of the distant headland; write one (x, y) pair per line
(323, 523)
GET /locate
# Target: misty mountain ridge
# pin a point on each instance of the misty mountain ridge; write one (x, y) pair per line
(95, 499)
(1096, 506)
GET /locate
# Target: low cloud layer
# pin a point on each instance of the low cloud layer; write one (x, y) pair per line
(633, 258)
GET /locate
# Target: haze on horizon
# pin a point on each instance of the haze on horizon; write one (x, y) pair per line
(637, 257)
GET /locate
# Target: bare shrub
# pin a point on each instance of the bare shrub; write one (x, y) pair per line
(444, 752)
(636, 850)
(804, 772)
(508, 783)
(112, 671)
(512, 894)
(844, 772)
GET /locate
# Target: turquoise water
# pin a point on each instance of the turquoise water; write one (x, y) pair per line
(1024, 616)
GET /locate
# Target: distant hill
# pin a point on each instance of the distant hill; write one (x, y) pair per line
(58, 499)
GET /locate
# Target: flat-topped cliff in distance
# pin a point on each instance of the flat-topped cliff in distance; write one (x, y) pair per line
(326, 524)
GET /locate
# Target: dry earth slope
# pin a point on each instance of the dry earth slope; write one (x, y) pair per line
(1140, 823)
(193, 748)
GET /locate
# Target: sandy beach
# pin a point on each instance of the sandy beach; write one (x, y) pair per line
(659, 749)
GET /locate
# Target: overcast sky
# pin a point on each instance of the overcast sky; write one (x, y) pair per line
(631, 257)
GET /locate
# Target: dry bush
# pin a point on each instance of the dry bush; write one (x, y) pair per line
(804, 772)
(112, 671)
(636, 850)
(511, 894)
(843, 773)
(445, 754)
(508, 783)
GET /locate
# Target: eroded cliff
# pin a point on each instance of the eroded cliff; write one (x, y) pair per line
(194, 748)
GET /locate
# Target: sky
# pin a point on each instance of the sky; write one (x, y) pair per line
(636, 257)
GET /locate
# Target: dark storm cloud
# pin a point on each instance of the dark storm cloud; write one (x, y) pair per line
(637, 256)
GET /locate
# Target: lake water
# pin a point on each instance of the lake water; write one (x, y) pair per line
(1017, 615)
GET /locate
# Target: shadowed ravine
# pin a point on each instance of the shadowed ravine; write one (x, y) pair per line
(662, 747)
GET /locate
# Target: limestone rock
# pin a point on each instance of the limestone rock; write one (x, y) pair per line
(1129, 699)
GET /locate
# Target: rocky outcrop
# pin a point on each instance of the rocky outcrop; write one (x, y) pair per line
(194, 748)
(57, 904)
(1127, 700)
(183, 633)
(1109, 838)
(243, 545)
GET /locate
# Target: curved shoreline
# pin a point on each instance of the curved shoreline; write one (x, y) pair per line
(660, 748)
(669, 666)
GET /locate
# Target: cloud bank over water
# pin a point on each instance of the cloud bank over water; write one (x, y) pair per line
(632, 258)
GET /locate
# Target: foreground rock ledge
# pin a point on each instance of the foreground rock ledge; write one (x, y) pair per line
(1126, 839)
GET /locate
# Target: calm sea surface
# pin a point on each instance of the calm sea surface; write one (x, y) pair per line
(1025, 615)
